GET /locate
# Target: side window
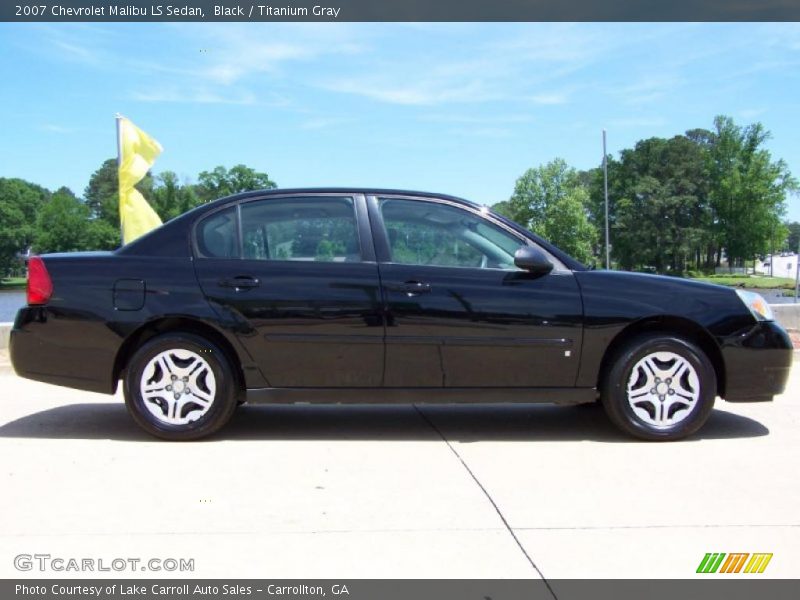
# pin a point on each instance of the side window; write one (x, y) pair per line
(302, 229)
(217, 236)
(428, 233)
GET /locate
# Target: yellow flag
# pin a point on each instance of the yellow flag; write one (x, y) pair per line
(138, 152)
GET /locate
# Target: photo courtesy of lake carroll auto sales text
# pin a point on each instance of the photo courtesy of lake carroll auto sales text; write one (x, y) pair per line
(387, 300)
(183, 589)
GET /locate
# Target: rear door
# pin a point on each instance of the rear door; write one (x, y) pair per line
(459, 313)
(296, 277)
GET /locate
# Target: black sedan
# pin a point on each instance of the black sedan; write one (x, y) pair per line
(362, 295)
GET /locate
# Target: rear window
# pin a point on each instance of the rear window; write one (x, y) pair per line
(217, 235)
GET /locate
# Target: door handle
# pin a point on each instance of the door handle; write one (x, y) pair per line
(410, 288)
(240, 282)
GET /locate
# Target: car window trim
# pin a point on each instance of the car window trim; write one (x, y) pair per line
(239, 232)
(363, 230)
(373, 202)
(195, 226)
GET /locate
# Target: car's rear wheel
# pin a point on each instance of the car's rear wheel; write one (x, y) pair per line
(659, 387)
(180, 386)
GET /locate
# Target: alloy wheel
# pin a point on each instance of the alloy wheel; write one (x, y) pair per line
(663, 389)
(177, 386)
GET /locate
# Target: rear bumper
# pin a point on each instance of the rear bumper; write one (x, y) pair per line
(57, 349)
(757, 363)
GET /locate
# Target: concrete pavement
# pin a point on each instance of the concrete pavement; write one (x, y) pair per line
(396, 491)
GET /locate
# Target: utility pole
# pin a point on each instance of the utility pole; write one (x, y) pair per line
(605, 191)
(772, 251)
(796, 272)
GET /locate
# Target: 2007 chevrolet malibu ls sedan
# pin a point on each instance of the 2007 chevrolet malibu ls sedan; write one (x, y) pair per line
(355, 295)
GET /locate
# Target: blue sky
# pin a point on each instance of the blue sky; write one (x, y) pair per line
(456, 108)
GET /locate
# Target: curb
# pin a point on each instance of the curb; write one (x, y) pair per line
(787, 315)
(5, 333)
(5, 364)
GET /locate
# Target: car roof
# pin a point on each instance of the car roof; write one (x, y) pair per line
(339, 190)
(164, 238)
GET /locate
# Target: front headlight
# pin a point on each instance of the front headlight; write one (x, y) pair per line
(757, 305)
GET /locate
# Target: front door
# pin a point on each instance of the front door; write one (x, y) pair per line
(459, 313)
(297, 279)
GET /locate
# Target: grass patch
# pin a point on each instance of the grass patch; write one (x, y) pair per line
(751, 281)
(12, 283)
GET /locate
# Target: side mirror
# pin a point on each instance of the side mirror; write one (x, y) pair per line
(533, 260)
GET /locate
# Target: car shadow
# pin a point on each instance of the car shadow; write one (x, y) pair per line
(462, 423)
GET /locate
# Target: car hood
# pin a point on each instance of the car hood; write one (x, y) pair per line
(647, 280)
(639, 295)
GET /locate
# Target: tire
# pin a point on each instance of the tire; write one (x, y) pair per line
(180, 386)
(659, 387)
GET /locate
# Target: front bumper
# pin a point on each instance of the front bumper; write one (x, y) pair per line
(757, 363)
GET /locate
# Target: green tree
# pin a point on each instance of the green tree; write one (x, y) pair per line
(568, 223)
(551, 201)
(503, 208)
(222, 182)
(748, 193)
(64, 224)
(685, 202)
(102, 192)
(61, 224)
(170, 198)
(101, 235)
(792, 238)
(661, 205)
(20, 201)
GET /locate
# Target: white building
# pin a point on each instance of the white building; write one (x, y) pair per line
(781, 265)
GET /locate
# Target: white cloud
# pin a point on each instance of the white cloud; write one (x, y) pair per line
(319, 123)
(486, 132)
(782, 35)
(217, 56)
(523, 61)
(477, 120)
(751, 113)
(198, 96)
(236, 52)
(649, 88)
(53, 128)
(554, 43)
(637, 122)
(74, 42)
(425, 92)
(550, 98)
(75, 51)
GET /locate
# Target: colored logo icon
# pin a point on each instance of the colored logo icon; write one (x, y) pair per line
(735, 562)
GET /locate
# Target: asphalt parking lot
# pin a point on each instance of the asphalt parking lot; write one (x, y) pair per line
(397, 491)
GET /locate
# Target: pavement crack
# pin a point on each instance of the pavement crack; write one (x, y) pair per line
(488, 496)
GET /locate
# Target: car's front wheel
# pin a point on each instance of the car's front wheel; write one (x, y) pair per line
(659, 387)
(180, 386)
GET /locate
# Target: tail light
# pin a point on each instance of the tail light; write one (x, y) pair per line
(40, 287)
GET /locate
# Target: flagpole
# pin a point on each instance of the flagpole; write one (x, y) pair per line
(605, 192)
(118, 120)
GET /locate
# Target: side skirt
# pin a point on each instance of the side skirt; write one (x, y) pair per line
(421, 395)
